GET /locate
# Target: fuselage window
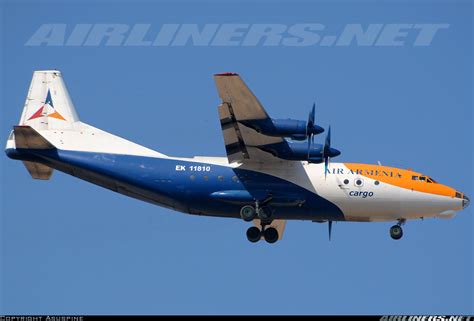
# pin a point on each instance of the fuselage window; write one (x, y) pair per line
(220, 178)
(235, 178)
(346, 181)
(376, 182)
(206, 178)
(359, 182)
(192, 177)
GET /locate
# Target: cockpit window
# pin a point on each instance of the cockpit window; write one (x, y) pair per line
(432, 180)
(423, 179)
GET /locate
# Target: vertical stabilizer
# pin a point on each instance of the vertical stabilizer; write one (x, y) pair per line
(48, 105)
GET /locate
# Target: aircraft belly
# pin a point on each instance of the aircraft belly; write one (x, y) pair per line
(157, 180)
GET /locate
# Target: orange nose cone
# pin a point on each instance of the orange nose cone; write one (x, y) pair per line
(440, 189)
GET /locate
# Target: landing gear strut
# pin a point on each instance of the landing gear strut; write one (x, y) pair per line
(396, 231)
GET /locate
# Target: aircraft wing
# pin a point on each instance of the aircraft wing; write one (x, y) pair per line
(239, 107)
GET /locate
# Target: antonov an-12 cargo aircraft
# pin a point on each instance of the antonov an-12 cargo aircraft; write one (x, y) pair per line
(273, 171)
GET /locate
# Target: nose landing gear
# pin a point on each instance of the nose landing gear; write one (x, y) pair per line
(396, 231)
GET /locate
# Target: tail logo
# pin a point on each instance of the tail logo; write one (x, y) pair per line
(47, 110)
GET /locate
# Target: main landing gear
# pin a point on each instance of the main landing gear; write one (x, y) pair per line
(270, 234)
(396, 231)
(248, 213)
(264, 213)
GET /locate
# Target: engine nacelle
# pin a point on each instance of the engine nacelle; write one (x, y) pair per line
(299, 151)
(291, 128)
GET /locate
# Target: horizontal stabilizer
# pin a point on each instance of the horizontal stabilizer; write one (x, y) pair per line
(28, 138)
(38, 170)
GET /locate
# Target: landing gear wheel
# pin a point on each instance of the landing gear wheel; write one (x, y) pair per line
(265, 214)
(254, 234)
(396, 232)
(271, 235)
(247, 213)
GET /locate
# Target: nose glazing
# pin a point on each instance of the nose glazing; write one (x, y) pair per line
(465, 201)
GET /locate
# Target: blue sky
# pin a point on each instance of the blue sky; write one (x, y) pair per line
(69, 247)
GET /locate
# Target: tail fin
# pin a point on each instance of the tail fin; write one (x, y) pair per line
(48, 105)
(49, 120)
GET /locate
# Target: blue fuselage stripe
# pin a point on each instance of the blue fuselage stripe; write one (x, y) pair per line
(187, 186)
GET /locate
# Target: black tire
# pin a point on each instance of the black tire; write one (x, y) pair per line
(396, 232)
(271, 235)
(254, 234)
(265, 214)
(247, 213)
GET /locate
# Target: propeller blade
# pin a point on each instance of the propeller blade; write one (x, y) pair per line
(309, 128)
(330, 229)
(328, 138)
(326, 151)
(326, 165)
(309, 145)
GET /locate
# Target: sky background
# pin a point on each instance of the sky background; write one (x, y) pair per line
(69, 247)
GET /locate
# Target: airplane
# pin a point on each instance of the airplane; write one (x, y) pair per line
(273, 171)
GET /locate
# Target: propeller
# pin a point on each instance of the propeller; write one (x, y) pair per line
(309, 127)
(330, 229)
(312, 129)
(328, 152)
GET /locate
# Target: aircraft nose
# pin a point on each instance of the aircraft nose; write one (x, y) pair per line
(465, 201)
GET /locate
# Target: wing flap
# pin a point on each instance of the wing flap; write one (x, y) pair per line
(234, 143)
